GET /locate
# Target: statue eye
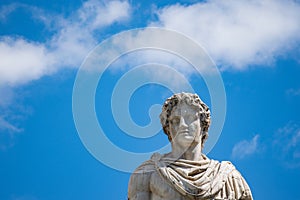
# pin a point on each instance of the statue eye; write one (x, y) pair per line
(175, 120)
(193, 118)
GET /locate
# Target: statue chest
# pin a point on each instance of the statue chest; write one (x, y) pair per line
(161, 190)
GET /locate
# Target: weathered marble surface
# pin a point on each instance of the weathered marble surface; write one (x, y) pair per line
(185, 173)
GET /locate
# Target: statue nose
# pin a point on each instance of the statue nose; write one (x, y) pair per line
(182, 122)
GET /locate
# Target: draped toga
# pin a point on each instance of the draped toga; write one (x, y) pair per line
(200, 180)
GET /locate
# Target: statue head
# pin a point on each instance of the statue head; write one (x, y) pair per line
(198, 109)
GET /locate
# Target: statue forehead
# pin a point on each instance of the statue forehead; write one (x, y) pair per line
(184, 109)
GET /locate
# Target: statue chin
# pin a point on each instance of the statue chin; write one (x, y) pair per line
(185, 140)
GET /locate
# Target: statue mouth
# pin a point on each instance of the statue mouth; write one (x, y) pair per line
(185, 131)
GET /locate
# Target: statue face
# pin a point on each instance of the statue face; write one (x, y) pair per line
(185, 125)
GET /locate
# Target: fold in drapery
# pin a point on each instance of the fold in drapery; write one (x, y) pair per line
(204, 179)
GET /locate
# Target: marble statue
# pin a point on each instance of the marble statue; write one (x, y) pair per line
(185, 173)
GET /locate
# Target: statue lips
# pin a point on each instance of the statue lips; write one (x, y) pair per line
(185, 133)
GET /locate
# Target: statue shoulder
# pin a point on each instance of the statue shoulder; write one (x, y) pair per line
(229, 167)
(139, 183)
(149, 165)
(237, 181)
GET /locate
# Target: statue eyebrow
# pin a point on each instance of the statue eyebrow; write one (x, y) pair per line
(174, 116)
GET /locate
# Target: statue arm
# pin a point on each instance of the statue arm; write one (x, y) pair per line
(242, 185)
(139, 183)
(235, 185)
(138, 188)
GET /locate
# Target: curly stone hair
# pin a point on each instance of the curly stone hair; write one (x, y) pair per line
(192, 100)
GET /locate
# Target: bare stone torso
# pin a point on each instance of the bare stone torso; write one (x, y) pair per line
(161, 190)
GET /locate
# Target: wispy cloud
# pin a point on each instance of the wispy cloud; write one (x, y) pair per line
(6, 96)
(286, 145)
(23, 60)
(245, 148)
(7, 134)
(6, 126)
(23, 197)
(293, 92)
(238, 34)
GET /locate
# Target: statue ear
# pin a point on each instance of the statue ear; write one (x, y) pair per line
(204, 135)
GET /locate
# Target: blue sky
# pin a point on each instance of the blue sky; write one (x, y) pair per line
(254, 44)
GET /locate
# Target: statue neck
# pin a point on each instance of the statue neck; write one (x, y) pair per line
(193, 152)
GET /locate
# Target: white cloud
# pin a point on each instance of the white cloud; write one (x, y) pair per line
(153, 45)
(153, 56)
(98, 15)
(22, 60)
(164, 47)
(245, 148)
(238, 33)
(76, 36)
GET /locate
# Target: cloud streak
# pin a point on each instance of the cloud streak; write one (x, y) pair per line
(238, 34)
(293, 92)
(7, 134)
(286, 144)
(245, 148)
(6, 126)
